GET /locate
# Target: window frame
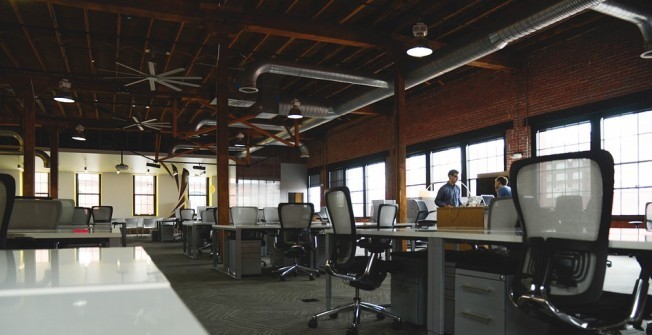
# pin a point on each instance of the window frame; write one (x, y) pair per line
(135, 195)
(78, 193)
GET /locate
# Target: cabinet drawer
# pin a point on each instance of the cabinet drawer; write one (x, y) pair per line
(471, 319)
(480, 292)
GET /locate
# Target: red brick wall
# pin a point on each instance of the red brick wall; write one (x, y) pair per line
(603, 64)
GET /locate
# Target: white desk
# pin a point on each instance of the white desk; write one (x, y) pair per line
(619, 238)
(89, 291)
(68, 236)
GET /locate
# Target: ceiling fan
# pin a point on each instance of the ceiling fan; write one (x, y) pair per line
(166, 78)
(149, 124)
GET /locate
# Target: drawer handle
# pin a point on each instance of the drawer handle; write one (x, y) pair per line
(477, 317)
(476, 289)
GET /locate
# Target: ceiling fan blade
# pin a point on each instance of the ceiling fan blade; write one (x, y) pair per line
(135, 82)
(189, 78)
(131, 68)
(168, 85)
(129, 126)
(149, 121)
(177, 82)
(165, 74)
(152, 87)
(122, 77)
(135, 119)
(152, 70)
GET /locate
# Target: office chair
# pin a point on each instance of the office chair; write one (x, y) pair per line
(295, 239)
(81, 216)
(7, 194)
(323, 215)
(360, 272)
(102, 216)
(422, 214)
(204, 233)
(561, 274)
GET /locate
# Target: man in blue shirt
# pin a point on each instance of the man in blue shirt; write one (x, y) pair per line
(502, 190)
(449, 195)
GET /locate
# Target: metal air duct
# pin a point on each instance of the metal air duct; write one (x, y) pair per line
(640, 17)
(250, 76)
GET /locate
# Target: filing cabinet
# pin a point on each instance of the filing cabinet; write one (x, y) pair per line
(482, 306)
(250, 255)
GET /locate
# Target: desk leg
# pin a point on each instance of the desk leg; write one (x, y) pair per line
(238, 253)
(194, 247)
(436, 279)
(329, 279)
(214, 247)
(123, 231)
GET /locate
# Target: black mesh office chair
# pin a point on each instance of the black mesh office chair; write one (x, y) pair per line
(7, 194)
(81, 216)
(361, 272)
(423, 214)
(295, 239)
(562, 272)
(102, 216)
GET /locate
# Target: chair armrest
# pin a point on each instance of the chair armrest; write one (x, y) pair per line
(330, 271)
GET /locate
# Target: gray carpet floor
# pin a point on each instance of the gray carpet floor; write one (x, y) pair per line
(263, 304)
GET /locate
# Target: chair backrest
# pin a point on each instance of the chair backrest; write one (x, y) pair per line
(67, 211)
(502, 214)
(149, 223)
(244, 215)
(295, 219)
(323, 214)
(81, 216)
(566, 244)
(102, 214)
(271, 214)
(422, 213)
(209, 214)
(387, 215)
(35, 214)
(338, 202)
(7, 195)
(133, 222)
(187, 214)
(648, 216)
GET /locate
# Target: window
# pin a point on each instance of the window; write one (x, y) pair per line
(41, 184)
(336, 178)
(374, 184)
(88, 190)
(484, 157)
(144, 195)
(572, 137)
(415, 175)
(197, 192)
(258, 193)
(441, 162)
(355, 183)
(314, 190)
(626, 137)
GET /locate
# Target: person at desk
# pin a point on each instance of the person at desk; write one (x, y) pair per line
(449, 195)
(502, 190)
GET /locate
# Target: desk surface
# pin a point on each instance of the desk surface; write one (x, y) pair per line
(619, 238)
(89, 290)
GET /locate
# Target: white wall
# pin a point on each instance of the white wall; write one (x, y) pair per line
(17, 178)
(293, 179)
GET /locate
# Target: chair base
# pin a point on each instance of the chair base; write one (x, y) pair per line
(295, 269)
(357, 307)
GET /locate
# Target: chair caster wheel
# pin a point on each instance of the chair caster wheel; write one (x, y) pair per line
(352, 331)
(380, 316)
(333, 316)
(311, 277)
(397, 324)
(312, 323)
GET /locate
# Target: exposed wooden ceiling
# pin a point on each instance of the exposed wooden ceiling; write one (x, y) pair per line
(99, 45)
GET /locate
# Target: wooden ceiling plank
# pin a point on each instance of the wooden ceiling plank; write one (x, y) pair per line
(57, 34)
(174, 46)
(148, 35)
(28, 36)
(14, 60)
(179, 11)
(268, 134)
(89, 44)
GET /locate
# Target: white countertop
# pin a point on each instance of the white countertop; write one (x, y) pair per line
(89, 290)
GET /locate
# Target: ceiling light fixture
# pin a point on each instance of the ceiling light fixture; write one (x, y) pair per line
(122, 166)
(295, 112)
(154, 165)
(422, 47)
(79, 133)
(199, 167)
(63, 93)
(240, 140)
